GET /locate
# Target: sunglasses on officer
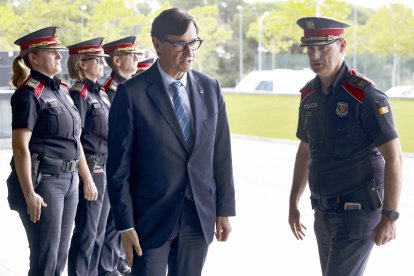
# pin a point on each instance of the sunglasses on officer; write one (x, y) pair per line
(181, 46)
(98, 59)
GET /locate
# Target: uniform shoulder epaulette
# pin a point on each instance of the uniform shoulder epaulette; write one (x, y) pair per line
(110, 84)
(306, 90)
(81, 88)
(35, 84)
(64, 86)
(355, 85)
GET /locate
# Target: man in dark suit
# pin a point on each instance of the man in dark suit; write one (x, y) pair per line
(170, 176)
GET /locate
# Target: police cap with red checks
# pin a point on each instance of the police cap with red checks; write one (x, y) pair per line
(320, 30)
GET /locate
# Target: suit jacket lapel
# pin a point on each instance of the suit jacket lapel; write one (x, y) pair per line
(196, 93)
(162, 101)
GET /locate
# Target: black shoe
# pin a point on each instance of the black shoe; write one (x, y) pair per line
(123, 268)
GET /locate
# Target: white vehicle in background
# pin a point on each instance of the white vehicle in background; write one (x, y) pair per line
(402, 91)
(278, 81)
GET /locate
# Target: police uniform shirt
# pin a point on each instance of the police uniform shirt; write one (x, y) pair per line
(93, 105)
(111, 84)
(48, 111)
(344, 129)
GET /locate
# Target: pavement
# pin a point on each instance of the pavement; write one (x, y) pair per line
(261, 243)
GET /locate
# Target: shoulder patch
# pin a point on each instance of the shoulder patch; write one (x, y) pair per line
(355, 85)
(110, 84)
(81, 88)
(64, 87)
(35, 84)
(306, 91)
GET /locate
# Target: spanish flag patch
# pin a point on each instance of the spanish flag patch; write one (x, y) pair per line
(383, 110)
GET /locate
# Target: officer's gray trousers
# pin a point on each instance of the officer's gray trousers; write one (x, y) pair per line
(344, 240)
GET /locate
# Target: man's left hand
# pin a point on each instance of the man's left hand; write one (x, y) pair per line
(223, 228)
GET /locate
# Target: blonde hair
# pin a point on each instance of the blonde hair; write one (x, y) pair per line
(74, 69)
(22, 67)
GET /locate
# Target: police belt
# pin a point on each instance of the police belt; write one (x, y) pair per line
(97, 158)
(54, 166)
(332, 204)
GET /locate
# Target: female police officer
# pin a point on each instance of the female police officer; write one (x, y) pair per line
(43, 185)
(85, 66)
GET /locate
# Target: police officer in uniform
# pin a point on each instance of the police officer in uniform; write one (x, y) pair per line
(123, 59)
(349, 152)
(85, 66)
(43, 184)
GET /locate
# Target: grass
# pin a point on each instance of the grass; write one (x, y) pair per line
(275, 116)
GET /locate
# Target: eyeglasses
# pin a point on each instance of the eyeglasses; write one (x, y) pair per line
(181, 46)
(98, 59)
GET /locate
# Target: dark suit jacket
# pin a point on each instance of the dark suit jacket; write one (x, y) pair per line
(149, 166)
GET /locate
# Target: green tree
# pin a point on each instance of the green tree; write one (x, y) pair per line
(280, 32)
(394, 36)
(7, 19)
(213, 34)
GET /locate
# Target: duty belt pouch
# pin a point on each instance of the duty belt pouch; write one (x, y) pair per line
(36, 167)
(51, 166)
(375, 194)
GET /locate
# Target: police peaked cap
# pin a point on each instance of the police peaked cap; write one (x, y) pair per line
(45, 38)
(320, 30)
(145, 64)
(126, 44)
(91, 47)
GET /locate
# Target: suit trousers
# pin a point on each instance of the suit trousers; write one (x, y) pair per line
(344, 240)
(49, 237)
(88, 235)
(111, 250)
(184, 253)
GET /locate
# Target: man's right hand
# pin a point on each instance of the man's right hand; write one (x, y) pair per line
(130, 242)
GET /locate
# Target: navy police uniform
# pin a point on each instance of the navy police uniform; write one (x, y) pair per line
(43, 105)
(346, 170)
(90, 222)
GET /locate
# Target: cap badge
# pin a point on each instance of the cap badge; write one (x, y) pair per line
(310, 24)
(342, 109)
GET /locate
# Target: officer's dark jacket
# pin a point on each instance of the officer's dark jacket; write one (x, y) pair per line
(344, 129)
(93, 105)
(43, 105)
(111, 84)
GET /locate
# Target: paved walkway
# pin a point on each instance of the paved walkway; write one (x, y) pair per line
(261, 242)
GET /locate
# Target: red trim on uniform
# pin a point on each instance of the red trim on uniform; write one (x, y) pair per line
(84, 92)
(323, 32)
(306, 91)
(144, 65)
(48, 41)
(114, 48)
(37, 89)
(64, 86)
(108, 83)
(89, 49)
(355, 92)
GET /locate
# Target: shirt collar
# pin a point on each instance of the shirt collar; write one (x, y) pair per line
(117, 76)
(53, 84)
(167, 79)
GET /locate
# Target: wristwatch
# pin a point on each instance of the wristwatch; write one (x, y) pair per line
(391, 214)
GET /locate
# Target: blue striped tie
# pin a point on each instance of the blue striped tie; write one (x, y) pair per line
(181, 113)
